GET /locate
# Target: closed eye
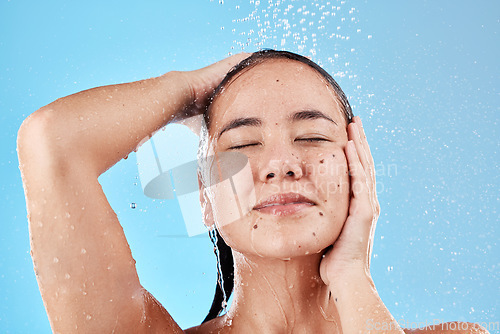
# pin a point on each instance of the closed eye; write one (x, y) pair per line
(312, 140)
(237, 147)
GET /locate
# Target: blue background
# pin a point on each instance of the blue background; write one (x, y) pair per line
(424, 77)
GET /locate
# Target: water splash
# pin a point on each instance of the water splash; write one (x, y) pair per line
(220, 280)
(318, 29)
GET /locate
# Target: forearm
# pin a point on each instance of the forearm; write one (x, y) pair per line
(360, 308)
(100, 126)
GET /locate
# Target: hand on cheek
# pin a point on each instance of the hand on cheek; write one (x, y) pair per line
(351, 251)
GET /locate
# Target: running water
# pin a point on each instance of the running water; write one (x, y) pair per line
(220, 279)
(327, 31)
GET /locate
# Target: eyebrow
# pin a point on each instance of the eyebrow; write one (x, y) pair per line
(239, 122)
(309, 115)
(253, 121)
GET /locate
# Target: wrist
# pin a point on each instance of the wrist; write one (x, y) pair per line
(177, 88)
(350, 279)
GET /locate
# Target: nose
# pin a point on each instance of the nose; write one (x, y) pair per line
(280, 164)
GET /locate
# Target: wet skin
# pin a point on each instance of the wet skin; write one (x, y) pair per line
(287, 120)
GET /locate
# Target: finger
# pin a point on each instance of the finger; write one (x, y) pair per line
(364, 141)
(355, 136)
(375, 205)
(363, 205)
(369, 158)
(356, 171)
(360, 209)
(361, 185)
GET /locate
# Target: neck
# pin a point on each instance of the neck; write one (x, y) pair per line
(281, 295)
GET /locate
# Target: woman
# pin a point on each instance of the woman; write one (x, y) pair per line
(311, 186)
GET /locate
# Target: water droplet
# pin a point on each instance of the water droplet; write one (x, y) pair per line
(132, 205)
(83, 251)
(68, 215)
(390, 268)
(56, 260)
(67, 276)
(88, 317)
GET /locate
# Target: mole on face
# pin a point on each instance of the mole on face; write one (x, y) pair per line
(321, 213)
(277, 80)
(333, 155)
(321, 161)
(255, 226)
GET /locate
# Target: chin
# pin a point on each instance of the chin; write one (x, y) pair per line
(282, 237)
(288, 247)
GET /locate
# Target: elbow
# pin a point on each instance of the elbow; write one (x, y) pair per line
(41, 145)
(34, 135)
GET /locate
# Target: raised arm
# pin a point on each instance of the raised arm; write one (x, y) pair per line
(346, 267)
(84, 267)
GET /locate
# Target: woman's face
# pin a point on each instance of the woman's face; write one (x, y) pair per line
(294, 197)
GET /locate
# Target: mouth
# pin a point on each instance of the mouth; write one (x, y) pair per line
(284, 204)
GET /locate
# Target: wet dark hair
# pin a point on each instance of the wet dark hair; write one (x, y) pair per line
(225, 263)
(267, 54)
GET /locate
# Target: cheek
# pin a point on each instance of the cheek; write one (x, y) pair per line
(231, 187)
(232, 197)
(228, 217)
(330, 172)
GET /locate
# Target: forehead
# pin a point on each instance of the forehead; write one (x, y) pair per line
(274, 85)
(266, 72)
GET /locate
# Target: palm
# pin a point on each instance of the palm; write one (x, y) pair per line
(204, 81)
(351, 251)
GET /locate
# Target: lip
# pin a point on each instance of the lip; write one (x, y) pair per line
(284, 204)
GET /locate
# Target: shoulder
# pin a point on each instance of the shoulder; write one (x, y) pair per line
(455, 327)
(155, 318)
(218, 325)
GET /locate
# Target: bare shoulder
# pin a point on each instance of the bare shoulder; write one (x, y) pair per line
(455, 327)
(217, 325)
(156, 319)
